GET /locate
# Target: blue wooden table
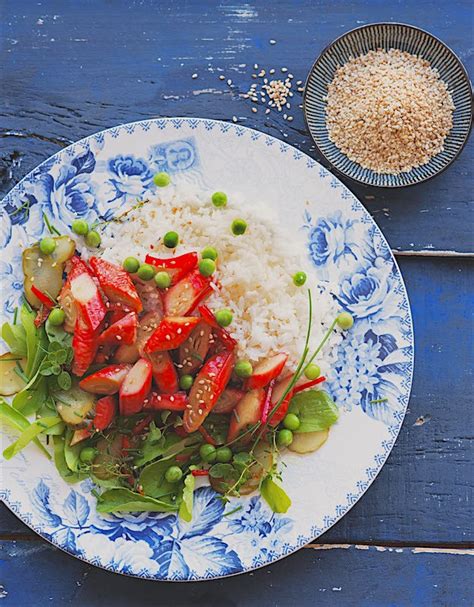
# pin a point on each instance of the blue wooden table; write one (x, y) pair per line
(71, 68)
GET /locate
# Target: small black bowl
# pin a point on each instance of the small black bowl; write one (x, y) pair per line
(407, 38)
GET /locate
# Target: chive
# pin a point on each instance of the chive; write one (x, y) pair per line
(15, 315)
(378, 400)
(233, 511)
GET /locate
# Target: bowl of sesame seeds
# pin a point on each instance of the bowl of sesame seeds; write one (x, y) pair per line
(388, 105)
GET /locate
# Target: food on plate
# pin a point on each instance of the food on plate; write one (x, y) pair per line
(159, 365)
(389, 111)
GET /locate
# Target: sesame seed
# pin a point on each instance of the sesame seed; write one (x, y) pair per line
(119, 337)
(284, 70)
(273, 41)
(229, 81)
(272, 71)
(194, 76)
(254, 110)
(200, 411)
(290, 118)
(255, 67)
(222, 77)
(267, 111)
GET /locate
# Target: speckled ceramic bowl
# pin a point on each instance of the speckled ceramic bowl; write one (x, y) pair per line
(406, 38)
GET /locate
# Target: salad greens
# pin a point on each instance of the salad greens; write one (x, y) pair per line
(147, 458)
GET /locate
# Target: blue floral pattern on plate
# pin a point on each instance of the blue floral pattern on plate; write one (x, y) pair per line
(370, 370)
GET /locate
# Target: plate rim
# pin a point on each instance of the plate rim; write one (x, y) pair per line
(4, 492)
(367, 26)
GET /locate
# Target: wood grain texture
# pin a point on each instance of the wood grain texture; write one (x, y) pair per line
(424, 492)
(70, 69)
(333, 576)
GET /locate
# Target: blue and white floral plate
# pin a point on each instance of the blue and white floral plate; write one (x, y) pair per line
(102, 174)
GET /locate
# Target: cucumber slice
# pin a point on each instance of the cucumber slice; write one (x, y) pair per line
(73, 405)
(307, 442)
(10, 381)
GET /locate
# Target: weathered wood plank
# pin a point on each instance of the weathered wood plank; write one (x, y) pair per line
(342, 576)
(424, 492)
(71, 69)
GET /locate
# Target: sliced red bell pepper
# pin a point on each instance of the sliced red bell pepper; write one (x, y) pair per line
(208, 316)
(308, 384)
(171, 333)
(79, 435)
(206, 436)
(116, 283)
(185, 295)
(164, 372)
(177, 267)
(167, 402)
(200, 472)
(124, 331)
(84, 345)
(278, 391)
(43, 297)
(105, 409)
(268, 402)
(105, 381)
(209, 384)
(135, 388)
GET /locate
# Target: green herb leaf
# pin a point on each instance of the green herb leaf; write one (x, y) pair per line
(30, 400)
(71, 454)
(15, 337)
(125, 500)
(186, 507)
(316, 410)
(165, 447)
(18, 421)
(29, 434)
(64, 380)
(275, 496)
(60, 462)
(224, 471)
(153, 481)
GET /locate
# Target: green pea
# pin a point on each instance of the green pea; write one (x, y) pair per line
(312, 371)
(224, 317)
(209, 253)
(80, 227)
(243, 368)
(146, 271)
(130, 265)
(291, 422)
(163, 280)
(299, 279)
(345, 321)
(219, 199)
(161, 179)
(93, 239)
(238, 227)
(173, 474)
(171, 240)
(56, 317)
(47, 245)
(284, 438)
(208, 453)
(87, 455)
(207, 267)
(223, 455)
(186, 381)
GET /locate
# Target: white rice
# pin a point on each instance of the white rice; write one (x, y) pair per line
(254, 270)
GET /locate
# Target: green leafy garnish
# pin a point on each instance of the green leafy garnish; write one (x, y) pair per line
(153, 481)
(274, 495)
(29, 434)
(315, 409)
(18, 421)
(15, 337)
(125, 500)
(60, 462)
(186, 507)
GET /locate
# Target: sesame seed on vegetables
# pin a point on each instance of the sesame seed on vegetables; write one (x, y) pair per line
(389, 111)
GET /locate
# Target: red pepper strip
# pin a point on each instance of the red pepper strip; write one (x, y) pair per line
(142, 425)
(226, 338)
(167, 402)
(200, 472)
(308, 384)
(207, 437)
(44, 299)
(267, 402)
(177, 267)
(208, 316)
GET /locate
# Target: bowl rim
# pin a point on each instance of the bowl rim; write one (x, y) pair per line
(365, 27)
